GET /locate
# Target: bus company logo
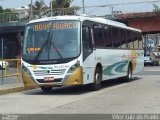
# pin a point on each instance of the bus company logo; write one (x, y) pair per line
(128, 57)
(48, 71)
(34, 66)
(140, 53)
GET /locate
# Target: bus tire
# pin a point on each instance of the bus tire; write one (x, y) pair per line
(97, 80)
(157, 63)
(128, 78)
(1, 68)
(46, 89)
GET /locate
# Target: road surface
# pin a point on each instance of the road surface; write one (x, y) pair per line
(139, 96)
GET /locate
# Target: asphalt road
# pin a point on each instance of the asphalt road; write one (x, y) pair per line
(139, 96)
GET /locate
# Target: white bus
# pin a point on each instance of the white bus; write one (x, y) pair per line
(79, 50)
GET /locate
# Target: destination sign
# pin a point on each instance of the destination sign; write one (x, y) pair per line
(42, 26)
(33, 49)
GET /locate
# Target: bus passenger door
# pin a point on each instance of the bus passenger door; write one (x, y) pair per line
(88, 55)
(87, 42)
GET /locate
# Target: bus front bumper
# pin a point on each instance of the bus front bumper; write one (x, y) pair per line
(72, 79)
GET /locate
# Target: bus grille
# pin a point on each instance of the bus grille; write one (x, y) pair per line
(48, 72)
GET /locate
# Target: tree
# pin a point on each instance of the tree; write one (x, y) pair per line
(8, 14)
(156, 8)
(1, 9)
(8, 10)
(61, 3)
(38, 7)
(62, 7)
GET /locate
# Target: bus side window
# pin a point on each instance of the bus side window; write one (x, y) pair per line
(115, 37)
(98, 36)
(140, 41)
(87, 41)
(136, 43)
(130, 39)
(122, 38)
(107, 36)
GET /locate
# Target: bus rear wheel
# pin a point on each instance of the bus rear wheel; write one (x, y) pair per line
(97, 80)
(46, 89)
(128, 78)
(1, 68)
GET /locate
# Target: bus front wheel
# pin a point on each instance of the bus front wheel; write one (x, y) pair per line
(97, 80)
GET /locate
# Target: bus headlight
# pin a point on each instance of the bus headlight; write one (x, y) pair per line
(74, 67)
(26, 70)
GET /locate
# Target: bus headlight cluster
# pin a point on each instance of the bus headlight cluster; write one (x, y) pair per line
(74, 67)
(26, 70)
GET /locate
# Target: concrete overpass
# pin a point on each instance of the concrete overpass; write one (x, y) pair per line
(11, 32)
(148, 22)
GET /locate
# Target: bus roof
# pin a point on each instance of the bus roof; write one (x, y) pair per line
(82, 18)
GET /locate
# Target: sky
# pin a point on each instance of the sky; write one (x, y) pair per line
(19, 3)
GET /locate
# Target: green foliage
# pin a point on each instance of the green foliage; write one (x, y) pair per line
(8, 15)
(39, 7)
(8, 10)
(62, 7)
(156, 8)
(1, 9)
(61, 3)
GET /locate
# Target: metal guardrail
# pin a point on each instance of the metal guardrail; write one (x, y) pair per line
(19, 15)
(17, 18)
(11, 16)
(10, 68)
(109, 10)
(97, 10)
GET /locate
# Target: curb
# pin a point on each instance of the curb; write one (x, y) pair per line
(15, 89)
(11, 90)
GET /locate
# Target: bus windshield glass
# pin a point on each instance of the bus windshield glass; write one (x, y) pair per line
(51, 42)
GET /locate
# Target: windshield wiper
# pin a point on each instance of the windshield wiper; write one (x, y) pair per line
(43, 46)
(54, 46)
(47, 43)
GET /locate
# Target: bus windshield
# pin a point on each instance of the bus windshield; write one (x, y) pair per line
(51, 42)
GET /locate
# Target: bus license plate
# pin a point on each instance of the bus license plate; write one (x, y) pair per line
(48, 78)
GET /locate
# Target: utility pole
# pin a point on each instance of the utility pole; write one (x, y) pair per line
(31, 15)
(83, 6)
(2, 62)
(51, 8)
(112, 12)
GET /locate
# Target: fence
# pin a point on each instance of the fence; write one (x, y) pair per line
(10, 71)
(9, 68)
(109, 10)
